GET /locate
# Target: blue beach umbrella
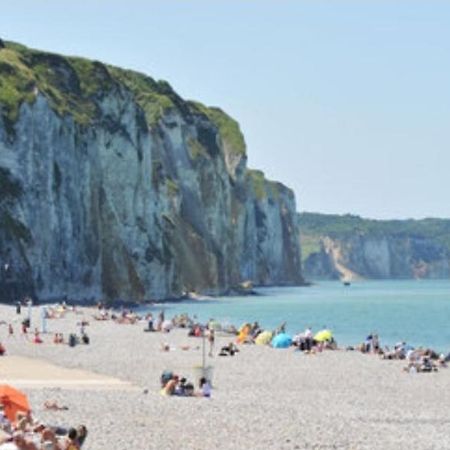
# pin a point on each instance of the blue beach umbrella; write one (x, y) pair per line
(281, 340)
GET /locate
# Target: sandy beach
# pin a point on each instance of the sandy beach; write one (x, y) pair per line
(262, 398)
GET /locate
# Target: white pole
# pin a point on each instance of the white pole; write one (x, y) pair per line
(44, 319)
(203, 354)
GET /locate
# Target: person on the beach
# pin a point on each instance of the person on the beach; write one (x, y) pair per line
(308, 336)
(71, 442)
(229, 349)
(85, 339)
(368, 343)
(24, 329)
(375, 343)
(81, 434)
(10, 330)
(205, 387)
(160, 320)
(2, 349)
(170, 386)
(255, 330)
(53, 405)
(281, 329)
(150, 322)
(37, 339)
(211, 339)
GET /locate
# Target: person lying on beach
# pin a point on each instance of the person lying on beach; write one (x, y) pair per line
(53, 405)
(102, 315)
(165, 347)
(49, 440)
(195, 331)
(228, 350)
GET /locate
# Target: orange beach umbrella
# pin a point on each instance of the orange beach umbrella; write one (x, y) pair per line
(13, 401)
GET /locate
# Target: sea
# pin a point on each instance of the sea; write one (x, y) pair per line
(414, 311)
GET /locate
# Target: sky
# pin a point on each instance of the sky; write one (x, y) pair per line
(346, 102)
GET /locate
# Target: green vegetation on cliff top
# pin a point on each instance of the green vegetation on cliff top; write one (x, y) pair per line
(229, 129)
(262, 186)
(74, 86)
(336, 226)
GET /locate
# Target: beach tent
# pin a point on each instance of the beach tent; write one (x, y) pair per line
(281, 340)
(13, 401)
(263, 338)
(323, 335)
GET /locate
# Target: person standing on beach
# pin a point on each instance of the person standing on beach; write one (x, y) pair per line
(10, 331)
(24, 329)
(308, 338)
(161, 318)
(211, 339)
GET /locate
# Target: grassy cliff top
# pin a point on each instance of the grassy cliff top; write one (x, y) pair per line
(262, 187)
(229, 129)
(336, 226)
(74, 86)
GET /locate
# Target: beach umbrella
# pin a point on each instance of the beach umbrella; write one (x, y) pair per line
(167, 325)
(214, 325)
(245, 326)
(281, 340)
(263, 338)
(323, 335)
(13, 401)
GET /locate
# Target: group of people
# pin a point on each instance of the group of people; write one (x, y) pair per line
(417, 359)
(26, 433)
(172, 384)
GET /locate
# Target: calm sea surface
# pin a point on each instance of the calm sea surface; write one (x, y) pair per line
(415, 311)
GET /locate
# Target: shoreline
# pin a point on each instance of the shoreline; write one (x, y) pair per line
(268, 398)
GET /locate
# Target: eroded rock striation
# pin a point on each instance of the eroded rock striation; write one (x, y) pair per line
(112, 186)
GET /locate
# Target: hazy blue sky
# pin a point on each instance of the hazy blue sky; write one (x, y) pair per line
(347, 102)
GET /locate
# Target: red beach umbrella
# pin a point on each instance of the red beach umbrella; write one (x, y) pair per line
(13, 401)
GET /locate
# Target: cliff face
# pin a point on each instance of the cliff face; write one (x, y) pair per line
(115, 187)
(380, 250)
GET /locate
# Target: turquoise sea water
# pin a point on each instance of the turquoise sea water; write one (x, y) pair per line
(414, 311)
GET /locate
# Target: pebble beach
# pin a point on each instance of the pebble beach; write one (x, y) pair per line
(262, 398)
